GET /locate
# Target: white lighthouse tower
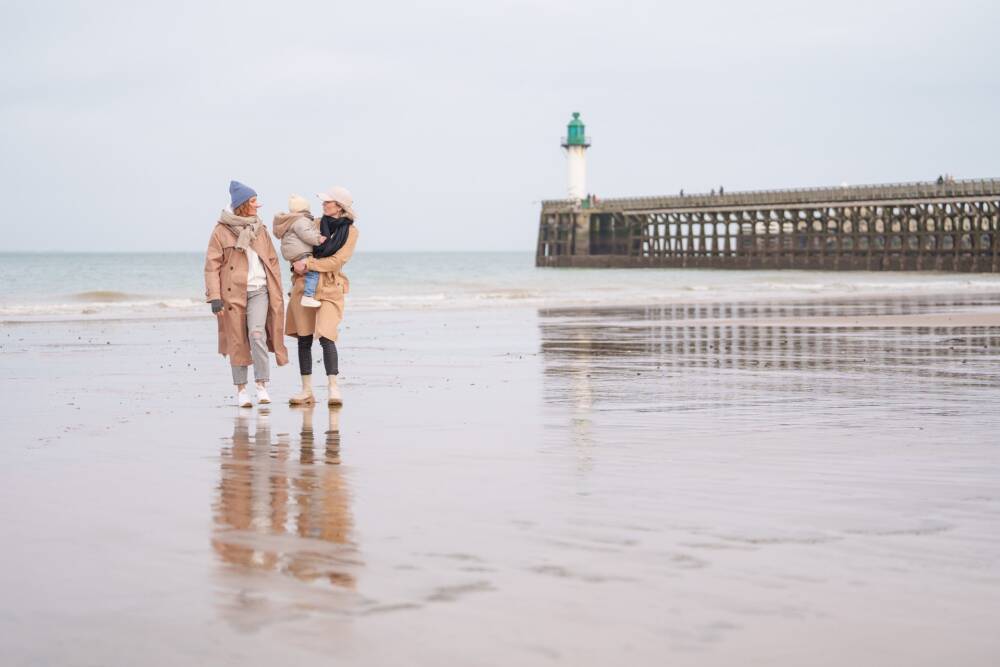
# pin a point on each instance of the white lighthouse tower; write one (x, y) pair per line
(576, 143)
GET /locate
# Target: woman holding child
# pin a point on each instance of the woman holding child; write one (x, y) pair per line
(316, 305)
(243, 285)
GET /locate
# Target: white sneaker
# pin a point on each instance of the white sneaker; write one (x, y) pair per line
(243, 399)
(262, 396)
(309, 302)
(335, 397)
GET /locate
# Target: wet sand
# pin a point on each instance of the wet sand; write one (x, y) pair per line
(780, 483)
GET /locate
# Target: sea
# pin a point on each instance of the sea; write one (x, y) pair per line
(84, 286)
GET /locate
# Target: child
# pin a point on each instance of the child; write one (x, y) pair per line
(299, 232)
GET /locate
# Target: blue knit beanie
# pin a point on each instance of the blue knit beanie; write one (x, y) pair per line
(240, 194)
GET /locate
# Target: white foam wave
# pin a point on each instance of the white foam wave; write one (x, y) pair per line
(551, 289)
(117, 308)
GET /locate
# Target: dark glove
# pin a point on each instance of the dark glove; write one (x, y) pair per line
(216, 305)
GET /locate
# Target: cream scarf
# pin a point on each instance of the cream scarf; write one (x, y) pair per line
(245, 229)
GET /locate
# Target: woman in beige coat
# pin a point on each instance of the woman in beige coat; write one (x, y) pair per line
(243, 284)
(304, 323)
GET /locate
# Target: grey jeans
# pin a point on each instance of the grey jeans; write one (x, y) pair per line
(257, 335)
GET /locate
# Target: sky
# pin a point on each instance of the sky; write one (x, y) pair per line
(122, 123)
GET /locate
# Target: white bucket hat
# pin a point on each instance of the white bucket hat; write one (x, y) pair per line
(342, 196)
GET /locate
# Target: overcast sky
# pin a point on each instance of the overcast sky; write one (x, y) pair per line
(121, 123)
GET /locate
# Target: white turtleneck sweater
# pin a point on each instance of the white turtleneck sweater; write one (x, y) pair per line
(256, 278)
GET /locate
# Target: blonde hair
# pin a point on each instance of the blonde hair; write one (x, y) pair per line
(343, 211)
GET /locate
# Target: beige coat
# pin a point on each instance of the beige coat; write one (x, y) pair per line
(333, 285)
(226, 279)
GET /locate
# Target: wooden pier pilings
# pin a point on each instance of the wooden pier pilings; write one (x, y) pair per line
(953, 226)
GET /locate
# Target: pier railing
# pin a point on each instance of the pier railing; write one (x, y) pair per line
(851, 193)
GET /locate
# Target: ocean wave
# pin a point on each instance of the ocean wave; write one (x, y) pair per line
(509, 295)
(106, 296)
(109, 305)
(549, 291)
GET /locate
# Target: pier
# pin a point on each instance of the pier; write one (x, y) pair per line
(902, 227)
(945, 225)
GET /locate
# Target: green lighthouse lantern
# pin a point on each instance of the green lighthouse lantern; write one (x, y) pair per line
(575, 133)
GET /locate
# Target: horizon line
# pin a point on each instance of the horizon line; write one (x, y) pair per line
(185, 252)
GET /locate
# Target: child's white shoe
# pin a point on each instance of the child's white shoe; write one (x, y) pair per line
(309, 302)
(262, 396)
(243, 399)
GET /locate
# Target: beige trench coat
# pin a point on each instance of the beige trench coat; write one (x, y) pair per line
(333, 286)
(226, 279)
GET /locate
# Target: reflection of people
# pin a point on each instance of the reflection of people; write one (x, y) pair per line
(234, 509)
(262, 494)
(322, 506)
(243, 284)
(337, 224)
(333, 437)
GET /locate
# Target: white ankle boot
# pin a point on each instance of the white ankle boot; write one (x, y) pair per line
(335, 397)
(309, 302)
(243, 399)
(304, 397)
(262, 396)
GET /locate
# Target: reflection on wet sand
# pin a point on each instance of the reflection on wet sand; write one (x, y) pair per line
(274, 513)
(654, 486)
(746, 310)
(710, 355)
(783, 465)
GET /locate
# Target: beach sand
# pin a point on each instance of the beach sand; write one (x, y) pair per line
(780, 483)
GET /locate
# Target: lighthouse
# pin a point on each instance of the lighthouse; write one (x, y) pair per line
(576, 144)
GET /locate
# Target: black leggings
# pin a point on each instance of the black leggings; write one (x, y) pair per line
(306, 355)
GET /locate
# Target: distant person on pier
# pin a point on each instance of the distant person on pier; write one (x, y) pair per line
(682, 192)
(940, 180)
(720, 191)
(713, 192)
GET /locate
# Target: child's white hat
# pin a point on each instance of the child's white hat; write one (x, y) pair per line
(297, 204)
